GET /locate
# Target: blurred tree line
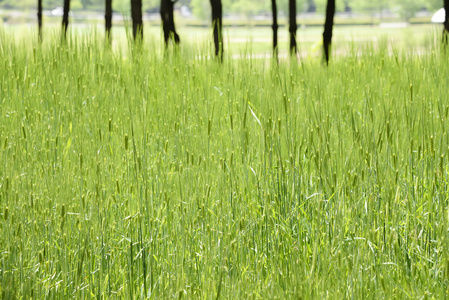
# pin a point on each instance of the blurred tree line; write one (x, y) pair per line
(243, 8)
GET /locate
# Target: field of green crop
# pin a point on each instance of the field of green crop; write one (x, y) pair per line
(130, 174)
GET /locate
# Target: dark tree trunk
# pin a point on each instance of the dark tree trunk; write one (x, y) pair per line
(136, 15)
(293, 26)
(65, 18)
(328, 25)
(275, 27)
(446, 22)
(39, 19)
(168, 22)
(217, 23)
(108, 20)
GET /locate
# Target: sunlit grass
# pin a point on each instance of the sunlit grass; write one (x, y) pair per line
(135, 174)
(256, 40)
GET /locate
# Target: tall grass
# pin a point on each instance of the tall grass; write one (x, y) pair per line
(138, 175)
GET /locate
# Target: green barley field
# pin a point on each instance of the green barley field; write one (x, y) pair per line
(130, 173)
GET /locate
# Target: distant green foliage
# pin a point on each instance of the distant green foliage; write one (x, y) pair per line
(244, 8)
(410, 7)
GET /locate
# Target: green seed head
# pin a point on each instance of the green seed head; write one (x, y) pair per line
(432, 149)
(23, 132)
(209, 127)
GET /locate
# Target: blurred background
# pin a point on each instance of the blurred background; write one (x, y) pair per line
(237, 12)
(247, 22)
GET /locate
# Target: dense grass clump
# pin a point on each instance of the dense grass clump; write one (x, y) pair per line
(137, 175)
